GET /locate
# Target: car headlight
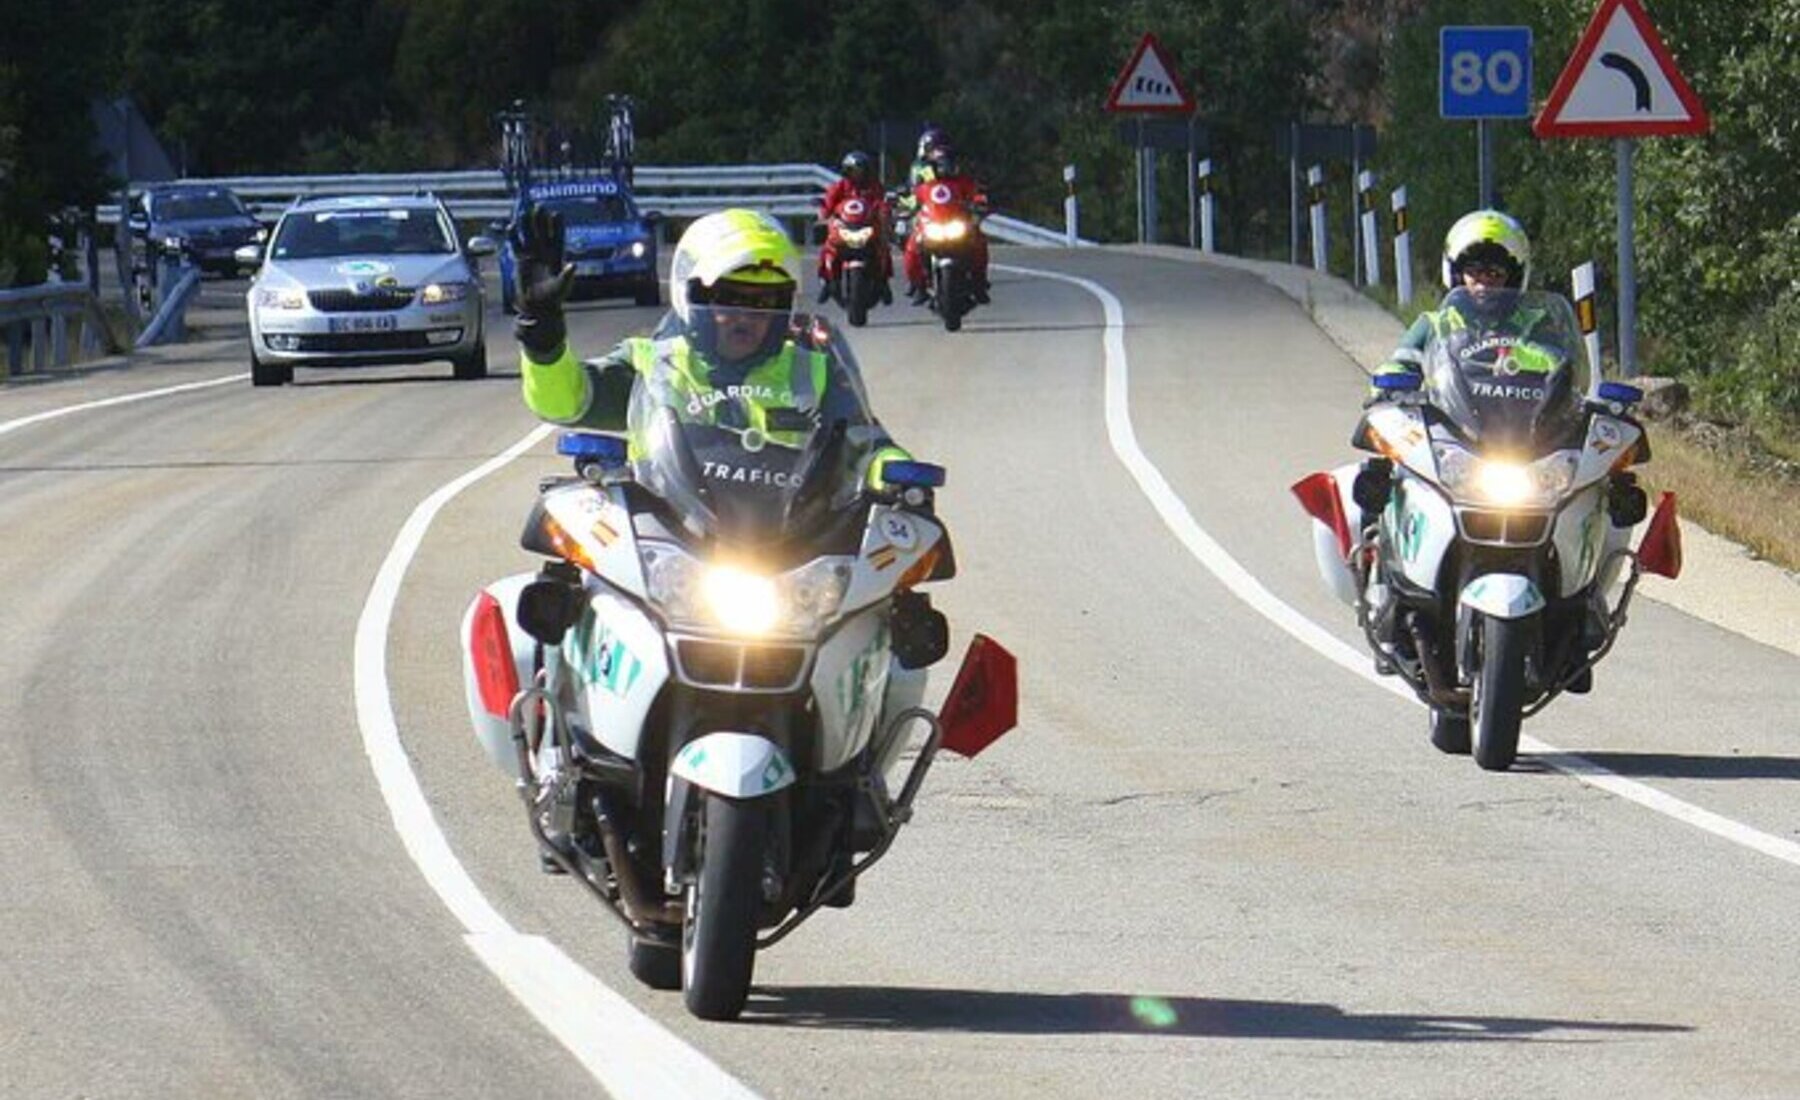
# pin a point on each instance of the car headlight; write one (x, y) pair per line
(261, 234)
(638, 248)
(286, 297)
(952, 230)
(172, 244)
(857, 237)
(694, 593)
(437, 293)
(1497, 482)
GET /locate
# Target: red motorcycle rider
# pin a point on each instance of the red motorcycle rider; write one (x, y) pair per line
(858, 182)
(942, 172)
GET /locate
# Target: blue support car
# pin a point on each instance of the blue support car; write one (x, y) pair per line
(609, 240)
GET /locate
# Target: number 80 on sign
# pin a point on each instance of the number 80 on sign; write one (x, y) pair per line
(1484, 72)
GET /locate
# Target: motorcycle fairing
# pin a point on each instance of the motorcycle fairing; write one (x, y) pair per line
(1420, 525)
(620, 664)
(493, 731)
(849, 679)
(600, 526)
(893, 542)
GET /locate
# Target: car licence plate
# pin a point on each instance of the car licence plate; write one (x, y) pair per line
(590, 267)
(364, 324)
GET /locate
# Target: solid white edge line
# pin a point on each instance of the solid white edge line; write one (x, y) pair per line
(630, 1055)
(123, 399)
(1240, 583)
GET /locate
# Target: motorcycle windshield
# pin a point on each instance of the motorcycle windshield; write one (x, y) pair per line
(747, 423)
(1508, 368)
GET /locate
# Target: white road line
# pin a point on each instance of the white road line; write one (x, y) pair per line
(126, 399)
(1238, 580)
(629, 1054)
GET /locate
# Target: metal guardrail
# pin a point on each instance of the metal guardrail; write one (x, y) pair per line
(34, 323)
(784, 190)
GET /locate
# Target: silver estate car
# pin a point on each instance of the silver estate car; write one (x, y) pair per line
(359, 279)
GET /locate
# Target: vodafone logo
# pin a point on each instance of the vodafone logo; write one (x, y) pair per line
(940, 194)
(855, 208)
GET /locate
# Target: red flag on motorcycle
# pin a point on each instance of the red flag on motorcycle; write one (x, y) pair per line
(1660, 552)
(984, 701)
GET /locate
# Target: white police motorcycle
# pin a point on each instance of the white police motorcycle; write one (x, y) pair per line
(705, 694)
(1486, 547)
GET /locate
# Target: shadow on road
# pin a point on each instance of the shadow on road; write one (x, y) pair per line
(1667, 765)
(992, 1012)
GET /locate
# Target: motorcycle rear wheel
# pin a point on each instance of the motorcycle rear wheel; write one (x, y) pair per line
(718, 933)
(1496, 709)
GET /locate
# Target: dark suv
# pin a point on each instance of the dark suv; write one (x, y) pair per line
(208, 223)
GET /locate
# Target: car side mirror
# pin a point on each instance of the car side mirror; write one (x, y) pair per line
(497, 228)
(482, 246)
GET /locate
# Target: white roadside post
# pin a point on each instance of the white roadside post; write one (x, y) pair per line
(1071, 211)
(1208, 205)
(1371, 242)
(1403, 274)
(1315, 182)
(1581, 280)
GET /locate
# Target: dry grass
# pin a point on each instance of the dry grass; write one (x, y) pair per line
(1727, 496)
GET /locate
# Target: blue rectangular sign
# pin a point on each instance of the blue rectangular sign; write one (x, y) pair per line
(1484, 72)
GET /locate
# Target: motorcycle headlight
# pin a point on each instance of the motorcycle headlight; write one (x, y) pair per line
(715, 596)
(1503, 484)
(953, 230)
(437, 293)
(287, 297)
(857, 237)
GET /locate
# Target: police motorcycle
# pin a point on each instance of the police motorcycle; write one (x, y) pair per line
(856, 240)
(709, 696)
(1486, 545)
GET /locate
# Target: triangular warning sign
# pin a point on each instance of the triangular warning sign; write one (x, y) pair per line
(1621, 82)
(1148, 83)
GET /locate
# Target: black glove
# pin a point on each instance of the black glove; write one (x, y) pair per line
(541, 281)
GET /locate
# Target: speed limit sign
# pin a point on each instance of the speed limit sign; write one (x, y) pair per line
(1484, 72)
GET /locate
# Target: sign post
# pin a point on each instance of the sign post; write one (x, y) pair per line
(1484, 73)
(1622, 83)
(1148, 86)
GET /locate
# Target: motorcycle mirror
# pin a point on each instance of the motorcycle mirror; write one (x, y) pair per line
(984, 701)
(548, 608)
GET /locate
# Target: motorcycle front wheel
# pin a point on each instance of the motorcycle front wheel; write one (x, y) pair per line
(1497, 706)
(949, 297)
(856, 296)
(718, 932)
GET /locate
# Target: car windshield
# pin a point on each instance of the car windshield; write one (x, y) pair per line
(195, 205)
(756, 451)
(589, 209)
(1508, 368)
(323, 234)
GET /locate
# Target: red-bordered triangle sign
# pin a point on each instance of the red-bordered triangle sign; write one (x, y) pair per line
(1148, 83)
(1621, 82)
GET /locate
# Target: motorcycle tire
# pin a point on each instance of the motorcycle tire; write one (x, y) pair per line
(948, 292)
(718, 932)
(1450, 731)
(856, 296)
(655, 963)
(1499, 700)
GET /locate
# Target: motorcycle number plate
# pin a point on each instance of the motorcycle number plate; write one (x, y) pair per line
(364, 324)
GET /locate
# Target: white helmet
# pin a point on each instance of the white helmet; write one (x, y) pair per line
(1488, 237)
(746, 246)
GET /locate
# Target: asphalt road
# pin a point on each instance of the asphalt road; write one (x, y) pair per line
(1209, 862)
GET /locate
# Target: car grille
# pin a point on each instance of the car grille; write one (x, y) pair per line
(602, 252)
(1504, 528)
(366, 341)
(741, 666)
(349, 301)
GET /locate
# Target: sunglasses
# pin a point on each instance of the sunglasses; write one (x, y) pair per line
(1487, 273)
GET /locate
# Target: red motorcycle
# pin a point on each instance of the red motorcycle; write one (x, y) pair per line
(855, 250)
(946, 250)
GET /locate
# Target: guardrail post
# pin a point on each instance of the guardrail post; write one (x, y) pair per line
(1403, 272)
(15, 350)
(40, 343)
(1071, 211)
(1371, 232)
(1315, 182)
